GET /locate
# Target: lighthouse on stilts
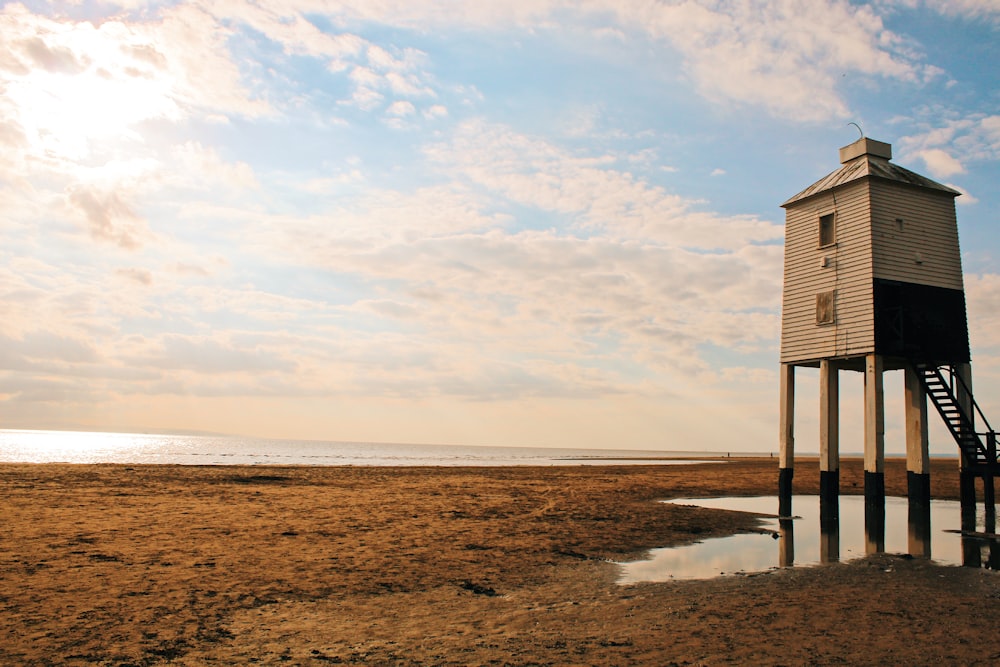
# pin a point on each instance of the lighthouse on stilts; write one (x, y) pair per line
(872, 283)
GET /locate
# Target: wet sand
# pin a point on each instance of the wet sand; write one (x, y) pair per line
(145, 565)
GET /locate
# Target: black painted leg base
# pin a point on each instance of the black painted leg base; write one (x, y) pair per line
(918, 488)
(829, 495)
(967, 497)
(874, 488)
(785, 491)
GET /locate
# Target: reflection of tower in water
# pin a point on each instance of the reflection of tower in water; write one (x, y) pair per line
(980, 544)
(786, 542)
(918, 525)
(829, 529)
(874, 526)
(980, 548)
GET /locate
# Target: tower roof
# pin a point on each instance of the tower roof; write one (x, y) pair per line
(867, 158)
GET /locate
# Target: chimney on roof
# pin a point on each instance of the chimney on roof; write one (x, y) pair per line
(865, 146)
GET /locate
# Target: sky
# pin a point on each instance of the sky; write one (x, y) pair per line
(517, 222)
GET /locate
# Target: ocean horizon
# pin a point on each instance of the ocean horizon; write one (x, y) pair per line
(88, 447)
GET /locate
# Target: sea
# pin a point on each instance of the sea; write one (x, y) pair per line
(36, 446)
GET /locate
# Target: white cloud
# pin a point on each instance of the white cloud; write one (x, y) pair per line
(365, 77)
(401, 109)
(200, 167)
(966, 199)
(458, 280)
(365, 99)
(408, 86)
(940, 163)
(786, 57)
(953, 143)
(971, 9)
(409, 60)
(536, 173)
(436, 111)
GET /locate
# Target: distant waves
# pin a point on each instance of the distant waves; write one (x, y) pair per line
(24, 446)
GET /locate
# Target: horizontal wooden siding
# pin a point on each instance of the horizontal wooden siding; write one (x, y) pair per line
(849, 273)
(924, 248)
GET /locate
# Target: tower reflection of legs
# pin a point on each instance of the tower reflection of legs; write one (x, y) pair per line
(990, 525)
(786, 542)
(874, 525)
(918, 525)
(972, 554)
(829, 528)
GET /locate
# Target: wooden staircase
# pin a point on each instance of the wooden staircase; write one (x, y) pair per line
(960, 412)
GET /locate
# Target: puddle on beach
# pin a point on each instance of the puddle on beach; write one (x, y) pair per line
(800, 541)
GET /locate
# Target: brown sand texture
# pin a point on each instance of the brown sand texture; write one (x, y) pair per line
(149, 565)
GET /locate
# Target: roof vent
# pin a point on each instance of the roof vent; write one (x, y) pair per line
(865, 146)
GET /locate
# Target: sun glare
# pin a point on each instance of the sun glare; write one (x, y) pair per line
(66, 446)
(72, 117)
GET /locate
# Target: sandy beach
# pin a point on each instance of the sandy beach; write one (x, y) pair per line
(147, 565)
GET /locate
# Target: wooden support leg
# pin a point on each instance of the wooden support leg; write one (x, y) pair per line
(918, 478)
(829, 445)
(874, 431)
(786, 457)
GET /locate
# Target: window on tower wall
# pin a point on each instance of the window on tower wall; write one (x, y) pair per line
(827, 230)
(825, 308)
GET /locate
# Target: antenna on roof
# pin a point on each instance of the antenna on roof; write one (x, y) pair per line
(860, 131)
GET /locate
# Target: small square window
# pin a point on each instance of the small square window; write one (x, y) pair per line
(827, 230)
(825, 308)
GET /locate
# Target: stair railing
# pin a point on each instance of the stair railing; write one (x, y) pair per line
(957, 381)
(964, 398)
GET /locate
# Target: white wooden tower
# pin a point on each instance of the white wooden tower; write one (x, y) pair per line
(873, 282)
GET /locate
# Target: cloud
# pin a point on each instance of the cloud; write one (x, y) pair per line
(969, 9)
(940, 163)
(436, 111)
(285, 24)
(983, 295)
(140, 276)
(966, 199)
(533, 172)
(452, 273)
(116, 74)
(210, 356)
(786, 57)
(52, 59)
(202, 168)
(951, 143)
(37, 348)
(401, 109)
(109, 217)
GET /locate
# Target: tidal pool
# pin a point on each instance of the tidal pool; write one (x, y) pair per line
(805, 540)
